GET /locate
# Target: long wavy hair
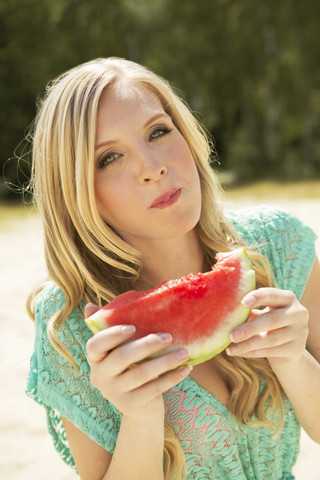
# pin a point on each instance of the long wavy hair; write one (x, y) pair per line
(88, 260)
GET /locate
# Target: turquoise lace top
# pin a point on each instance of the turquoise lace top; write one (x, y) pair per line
(215, 446)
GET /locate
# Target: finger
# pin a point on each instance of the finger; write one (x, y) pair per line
(268, 296)
(160, 385)
(102, 342)
(294, 317)
(261, 321)
(253, 315)
(267, 340)
(136, 351)
(282, 351)
(90, 309)
(152, 369)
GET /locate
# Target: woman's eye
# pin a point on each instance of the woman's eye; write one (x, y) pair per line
(107, 158)
(159, 132)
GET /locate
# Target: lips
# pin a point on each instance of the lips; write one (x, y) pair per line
(166, 199)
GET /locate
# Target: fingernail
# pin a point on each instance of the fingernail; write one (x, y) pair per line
(182, 354)
(164, 337)
(185, 370)
(236, 334)
(128, 329)
(248, 300)
(232, 350)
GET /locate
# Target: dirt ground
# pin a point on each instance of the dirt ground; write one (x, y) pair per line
(26, 452)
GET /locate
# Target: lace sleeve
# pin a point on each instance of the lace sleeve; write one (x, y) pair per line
(62, 390)
(287, 243)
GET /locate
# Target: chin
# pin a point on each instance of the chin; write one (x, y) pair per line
(185, 226)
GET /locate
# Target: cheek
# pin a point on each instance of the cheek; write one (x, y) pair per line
(105, 194)
(112, 199)
(188, 167)
(182, 154)
(100, 192)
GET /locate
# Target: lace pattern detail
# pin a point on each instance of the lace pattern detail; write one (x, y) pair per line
(283, 239)
(215, 446)
(63, 391)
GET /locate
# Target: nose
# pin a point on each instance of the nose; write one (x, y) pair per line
(156, 174)
(151, 168)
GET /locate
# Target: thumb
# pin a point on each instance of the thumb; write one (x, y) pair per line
(90, 309)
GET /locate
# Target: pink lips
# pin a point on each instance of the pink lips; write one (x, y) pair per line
(166, 199)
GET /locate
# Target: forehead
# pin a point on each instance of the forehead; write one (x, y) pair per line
(122, 101)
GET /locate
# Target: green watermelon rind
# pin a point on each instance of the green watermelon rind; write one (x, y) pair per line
(216, 344)
(204, 349)
(95, 323)
(208, 347)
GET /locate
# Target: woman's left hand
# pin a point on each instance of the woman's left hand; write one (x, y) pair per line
(278, 332)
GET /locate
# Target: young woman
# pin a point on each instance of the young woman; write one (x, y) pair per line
(122, 179)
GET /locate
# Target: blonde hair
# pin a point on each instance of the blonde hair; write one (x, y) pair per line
(87, 259)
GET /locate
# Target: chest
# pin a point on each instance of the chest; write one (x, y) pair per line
(209, 377)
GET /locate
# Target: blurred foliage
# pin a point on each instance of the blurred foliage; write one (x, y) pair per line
(249, 69)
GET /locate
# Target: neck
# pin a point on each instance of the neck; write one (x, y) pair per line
(169, 259)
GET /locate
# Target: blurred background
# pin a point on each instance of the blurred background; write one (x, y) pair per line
(250, 71)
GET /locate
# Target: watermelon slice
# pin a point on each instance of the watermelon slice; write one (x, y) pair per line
(199, 311)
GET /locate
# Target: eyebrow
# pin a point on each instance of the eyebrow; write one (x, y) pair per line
(152, 119)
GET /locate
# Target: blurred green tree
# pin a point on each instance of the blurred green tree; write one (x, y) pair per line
(40, 39)
(250, 70)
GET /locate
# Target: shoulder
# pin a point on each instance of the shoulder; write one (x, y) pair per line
(270, 224)
(286, 242)
(51, 300)
(267, 222)
(73, 332)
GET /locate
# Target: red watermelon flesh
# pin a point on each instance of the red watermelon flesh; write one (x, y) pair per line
(199, 311)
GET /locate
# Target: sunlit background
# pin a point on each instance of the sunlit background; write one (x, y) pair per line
(250, 71)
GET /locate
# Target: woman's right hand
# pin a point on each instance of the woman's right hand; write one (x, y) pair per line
(135, 389)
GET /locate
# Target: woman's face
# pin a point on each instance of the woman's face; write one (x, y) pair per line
(146, 182)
